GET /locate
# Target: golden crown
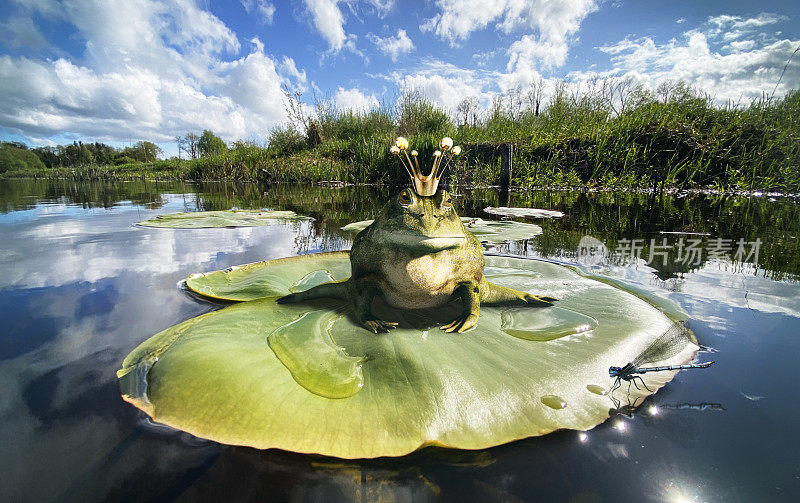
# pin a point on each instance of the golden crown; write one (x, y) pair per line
(425, 185)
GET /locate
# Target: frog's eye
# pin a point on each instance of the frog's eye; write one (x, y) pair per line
(448, 202)
(404, 198)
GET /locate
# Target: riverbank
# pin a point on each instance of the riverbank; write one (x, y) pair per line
(684, 142)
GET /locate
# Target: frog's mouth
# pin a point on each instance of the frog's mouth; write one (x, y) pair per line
(427, 242)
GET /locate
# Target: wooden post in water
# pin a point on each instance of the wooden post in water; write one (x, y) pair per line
(506, 153)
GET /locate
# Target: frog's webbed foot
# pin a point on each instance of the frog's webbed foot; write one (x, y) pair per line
(461, 324)
(363, 291)
(538, 300)
(468, 291)
(492, 294)
(379, 326)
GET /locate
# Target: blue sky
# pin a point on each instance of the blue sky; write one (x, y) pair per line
(127, 70)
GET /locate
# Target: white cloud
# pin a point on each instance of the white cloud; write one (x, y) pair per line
(726, 66)
(329, 21)
(733, 27)
(382, 6)
(262, 9)
(355, 100)
(551, 23)
(447, 84)
(151, 70)
(21, 32)
(393, 46)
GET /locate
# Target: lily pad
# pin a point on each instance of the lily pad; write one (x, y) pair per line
(523, 212)
(492, 231)
(229, 218)
(307, 378)
(272, 278)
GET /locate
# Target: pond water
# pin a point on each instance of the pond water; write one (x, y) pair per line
(81, 287)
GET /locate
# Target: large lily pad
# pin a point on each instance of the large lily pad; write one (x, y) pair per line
(492, 231)
(523, 212)
(229, 218)
(307, 378)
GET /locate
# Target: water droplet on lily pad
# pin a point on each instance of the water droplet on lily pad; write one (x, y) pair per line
(554, 402)
(597, 390)
(305, 347)
(544, 323)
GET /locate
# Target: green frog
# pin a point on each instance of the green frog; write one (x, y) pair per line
(417, 254)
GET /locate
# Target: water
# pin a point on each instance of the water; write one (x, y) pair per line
(80, 287)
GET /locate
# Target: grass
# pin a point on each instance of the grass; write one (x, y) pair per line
(593, 138)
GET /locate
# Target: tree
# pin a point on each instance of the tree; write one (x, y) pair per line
(210, 144)
(48, 155)
(142, 151)
(515, 97)
(75, 155)
(534, 95)
(13, 157)
(190, 144)
(467, 111)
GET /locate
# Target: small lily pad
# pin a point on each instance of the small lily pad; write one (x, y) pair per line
(307, 377)
(523, 212)
(229, 218)
(492, 231)
(272, 278)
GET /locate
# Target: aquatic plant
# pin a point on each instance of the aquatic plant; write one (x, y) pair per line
(227, 218)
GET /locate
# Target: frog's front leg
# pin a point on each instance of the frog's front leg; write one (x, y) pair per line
(471, 307)
(363, 291)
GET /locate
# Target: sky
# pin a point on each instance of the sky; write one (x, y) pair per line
(120, 71)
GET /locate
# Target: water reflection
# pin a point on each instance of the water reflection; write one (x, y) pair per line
(80, 287)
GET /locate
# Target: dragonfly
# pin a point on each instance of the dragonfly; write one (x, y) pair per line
(666, 345)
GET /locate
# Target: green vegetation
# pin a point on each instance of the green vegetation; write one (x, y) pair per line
(607, 134)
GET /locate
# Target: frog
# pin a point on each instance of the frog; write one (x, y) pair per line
(417, 254)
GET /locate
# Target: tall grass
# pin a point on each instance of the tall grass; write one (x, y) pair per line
(609, 133)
